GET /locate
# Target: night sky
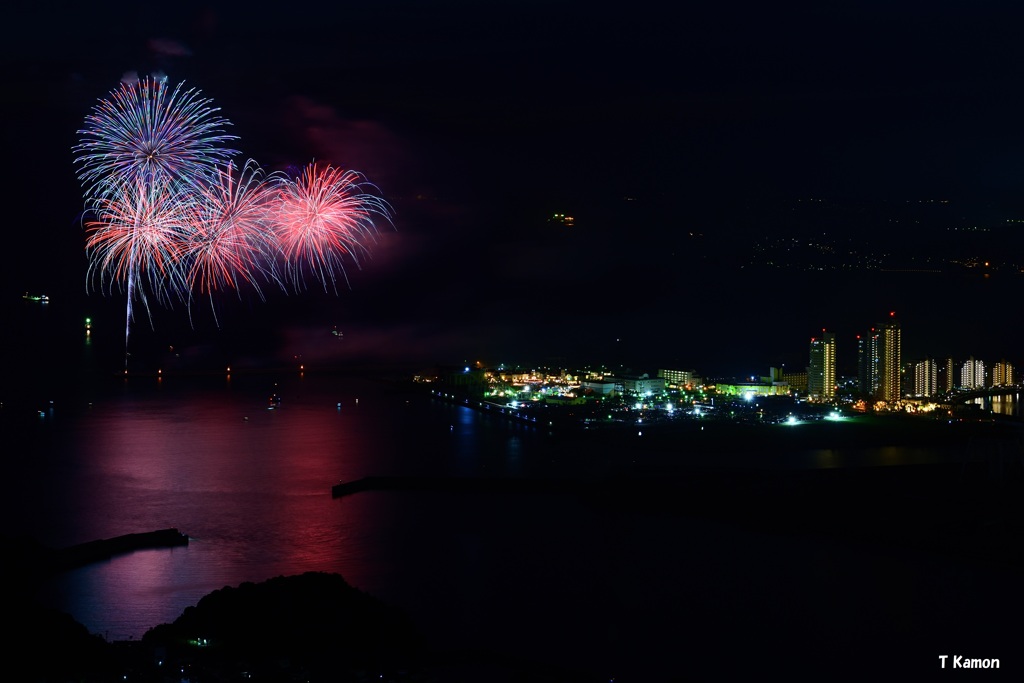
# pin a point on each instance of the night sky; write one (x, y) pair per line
(678, 138)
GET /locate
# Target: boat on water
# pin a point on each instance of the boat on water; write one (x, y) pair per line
(275, 401)
(41, 298)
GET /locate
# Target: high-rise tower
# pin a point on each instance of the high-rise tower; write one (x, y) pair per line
(869, 363)
(821, 374)
(926, 378)
(949, 380)
(890, 360)
(1002, 373)
(972, 374)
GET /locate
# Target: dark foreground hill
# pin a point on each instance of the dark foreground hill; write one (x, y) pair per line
(310, 627)
(314, 628)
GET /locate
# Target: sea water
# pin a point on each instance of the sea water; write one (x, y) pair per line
(244, 462)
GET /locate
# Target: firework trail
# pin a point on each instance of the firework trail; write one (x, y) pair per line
(325, 215)
(136, 238)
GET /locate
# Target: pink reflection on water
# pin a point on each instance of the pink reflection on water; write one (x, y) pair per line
(250, 486)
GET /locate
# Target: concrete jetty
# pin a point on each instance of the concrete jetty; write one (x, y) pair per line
(103, 549)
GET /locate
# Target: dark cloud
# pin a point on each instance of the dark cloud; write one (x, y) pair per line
(368, 147)
(166, 47)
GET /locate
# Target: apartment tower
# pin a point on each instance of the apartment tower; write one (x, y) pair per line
(888, 356)
(821, 374)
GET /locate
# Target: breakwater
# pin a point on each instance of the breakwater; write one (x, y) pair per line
(104, 549)
(27, 559)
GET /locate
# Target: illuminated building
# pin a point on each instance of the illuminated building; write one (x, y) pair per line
(869, 358)
(1002, 374)
(864, 374)
(948, 376)
(642, 385)
(797, 381)
(926, 378)
(881, 361)
(602, 387)
(892, 359)
(972, 374)
(775, 384)
(680, 378)
(821, 374)
(753, 389)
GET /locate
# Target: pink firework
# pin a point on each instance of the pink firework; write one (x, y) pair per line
(229, 238)
(324, 217)
(136, 240)
(137, 236)
(172, 218)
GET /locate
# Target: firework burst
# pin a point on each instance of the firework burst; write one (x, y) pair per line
(146, 130)
(323, 217)
(229, 236)
(172, 217)
(136, 240)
